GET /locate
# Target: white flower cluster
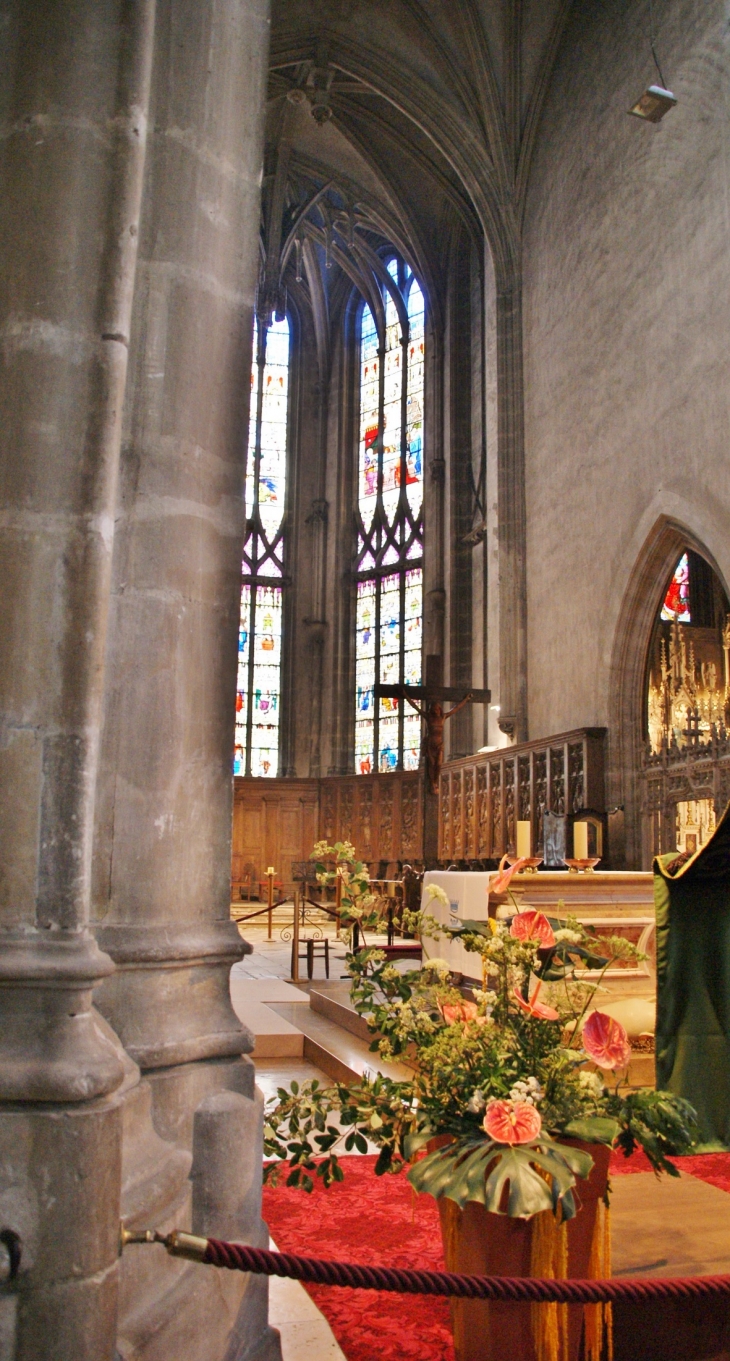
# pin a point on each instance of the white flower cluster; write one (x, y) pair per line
(571, 937)
(439, 966)
(529, 1091)
(435, 891)
(413, 1018)
(591, 1083)
(486, 998)
(390, 974)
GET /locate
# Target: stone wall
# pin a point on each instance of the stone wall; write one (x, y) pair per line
(626, 336)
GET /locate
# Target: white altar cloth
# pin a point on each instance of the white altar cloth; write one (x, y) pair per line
(611, 900)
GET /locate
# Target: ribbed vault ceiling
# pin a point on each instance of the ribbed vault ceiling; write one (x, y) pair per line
(417, 119)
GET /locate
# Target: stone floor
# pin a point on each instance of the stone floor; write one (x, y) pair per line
(305, 1332)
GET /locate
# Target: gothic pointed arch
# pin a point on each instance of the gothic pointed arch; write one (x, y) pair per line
(642, 602)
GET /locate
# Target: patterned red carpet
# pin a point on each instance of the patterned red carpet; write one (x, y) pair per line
(379, 1220)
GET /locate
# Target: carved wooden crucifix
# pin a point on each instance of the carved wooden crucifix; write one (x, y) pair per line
(428, 701)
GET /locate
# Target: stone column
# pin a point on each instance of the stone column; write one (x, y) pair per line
(161, 891)
(74, 88)
(512, 513)
(162, 871)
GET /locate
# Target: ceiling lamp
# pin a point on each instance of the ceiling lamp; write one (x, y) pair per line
(653, 104)
(656, 99)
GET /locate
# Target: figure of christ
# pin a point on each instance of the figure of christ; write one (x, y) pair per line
(433, 714)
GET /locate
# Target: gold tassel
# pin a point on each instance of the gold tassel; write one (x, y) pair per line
(598, 1318)
(549, 1259)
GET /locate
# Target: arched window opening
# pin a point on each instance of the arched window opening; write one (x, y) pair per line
(688, 688)
(258, 696)
(389, 564)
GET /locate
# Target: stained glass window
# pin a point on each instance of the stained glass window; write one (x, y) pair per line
(389, 571)
(676, 601)
(258, 696)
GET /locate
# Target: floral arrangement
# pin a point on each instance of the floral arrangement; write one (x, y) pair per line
(359, 903)
(496, 1082)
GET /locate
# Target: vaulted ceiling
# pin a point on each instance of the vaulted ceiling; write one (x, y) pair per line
(425, 109)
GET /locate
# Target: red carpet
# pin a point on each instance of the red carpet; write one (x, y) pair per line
(379, 1220)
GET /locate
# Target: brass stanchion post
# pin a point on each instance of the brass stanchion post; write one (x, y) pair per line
(295, 940)
(270, 896)
(338, 901)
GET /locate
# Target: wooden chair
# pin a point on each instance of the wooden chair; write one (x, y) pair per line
(312, 949)
(249, 879)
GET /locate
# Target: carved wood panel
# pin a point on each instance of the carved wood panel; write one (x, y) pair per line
(480, 802)
(276, 822)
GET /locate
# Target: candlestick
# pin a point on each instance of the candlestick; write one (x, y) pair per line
(580, 840)
(524, 841)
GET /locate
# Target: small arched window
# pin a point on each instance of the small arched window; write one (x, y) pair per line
(258, 697)
(389, 564)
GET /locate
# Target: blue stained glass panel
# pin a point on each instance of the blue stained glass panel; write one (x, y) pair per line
(389, 628)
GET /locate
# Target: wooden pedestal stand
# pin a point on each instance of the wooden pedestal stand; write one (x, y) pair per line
(481, 1243)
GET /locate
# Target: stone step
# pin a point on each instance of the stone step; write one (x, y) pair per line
(275, 1036)
(333, 1001)
(342, 1055)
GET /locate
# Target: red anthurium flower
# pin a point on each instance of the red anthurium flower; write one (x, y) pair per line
(605, 1041)
(533, 925)
(453, 1012)
(501, 882)
(535, 1008)
(512, 1122)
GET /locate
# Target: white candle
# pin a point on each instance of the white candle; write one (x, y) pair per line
(524, 844)
(580, 840)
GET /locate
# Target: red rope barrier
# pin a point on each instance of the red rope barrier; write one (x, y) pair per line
(238, 1257)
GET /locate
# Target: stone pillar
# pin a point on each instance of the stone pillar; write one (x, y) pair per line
(161, 889)
(75, 85)
(512, 512)
(162, 870)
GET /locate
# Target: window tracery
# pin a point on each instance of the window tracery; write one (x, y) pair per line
(389, 563)
(258, 693)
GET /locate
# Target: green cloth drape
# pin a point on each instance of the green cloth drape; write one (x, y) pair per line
(693, 981)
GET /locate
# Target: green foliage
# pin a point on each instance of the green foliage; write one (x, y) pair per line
(659, 1122)
(359, 902)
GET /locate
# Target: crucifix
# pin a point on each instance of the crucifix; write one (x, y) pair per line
(428, 701)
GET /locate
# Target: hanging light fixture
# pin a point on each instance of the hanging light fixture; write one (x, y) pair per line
(656, 99)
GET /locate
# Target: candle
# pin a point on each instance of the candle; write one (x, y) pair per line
(580, 840)
(524, 843)
(271, 870)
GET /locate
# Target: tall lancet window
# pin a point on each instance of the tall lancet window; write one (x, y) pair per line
(258, 698)
(389, 567)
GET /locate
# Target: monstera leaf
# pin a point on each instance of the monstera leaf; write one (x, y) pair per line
(481, 1170)
(595, 1129)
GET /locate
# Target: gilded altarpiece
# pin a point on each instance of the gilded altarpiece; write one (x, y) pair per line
(685, 776)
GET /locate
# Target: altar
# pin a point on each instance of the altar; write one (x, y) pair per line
(619, 902)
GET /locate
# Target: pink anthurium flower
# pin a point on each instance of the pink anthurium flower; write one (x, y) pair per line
(512, 1122)
(453, 1012)
(532, 925)
(501, 881)
(535, 1008)
(605, 1041)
